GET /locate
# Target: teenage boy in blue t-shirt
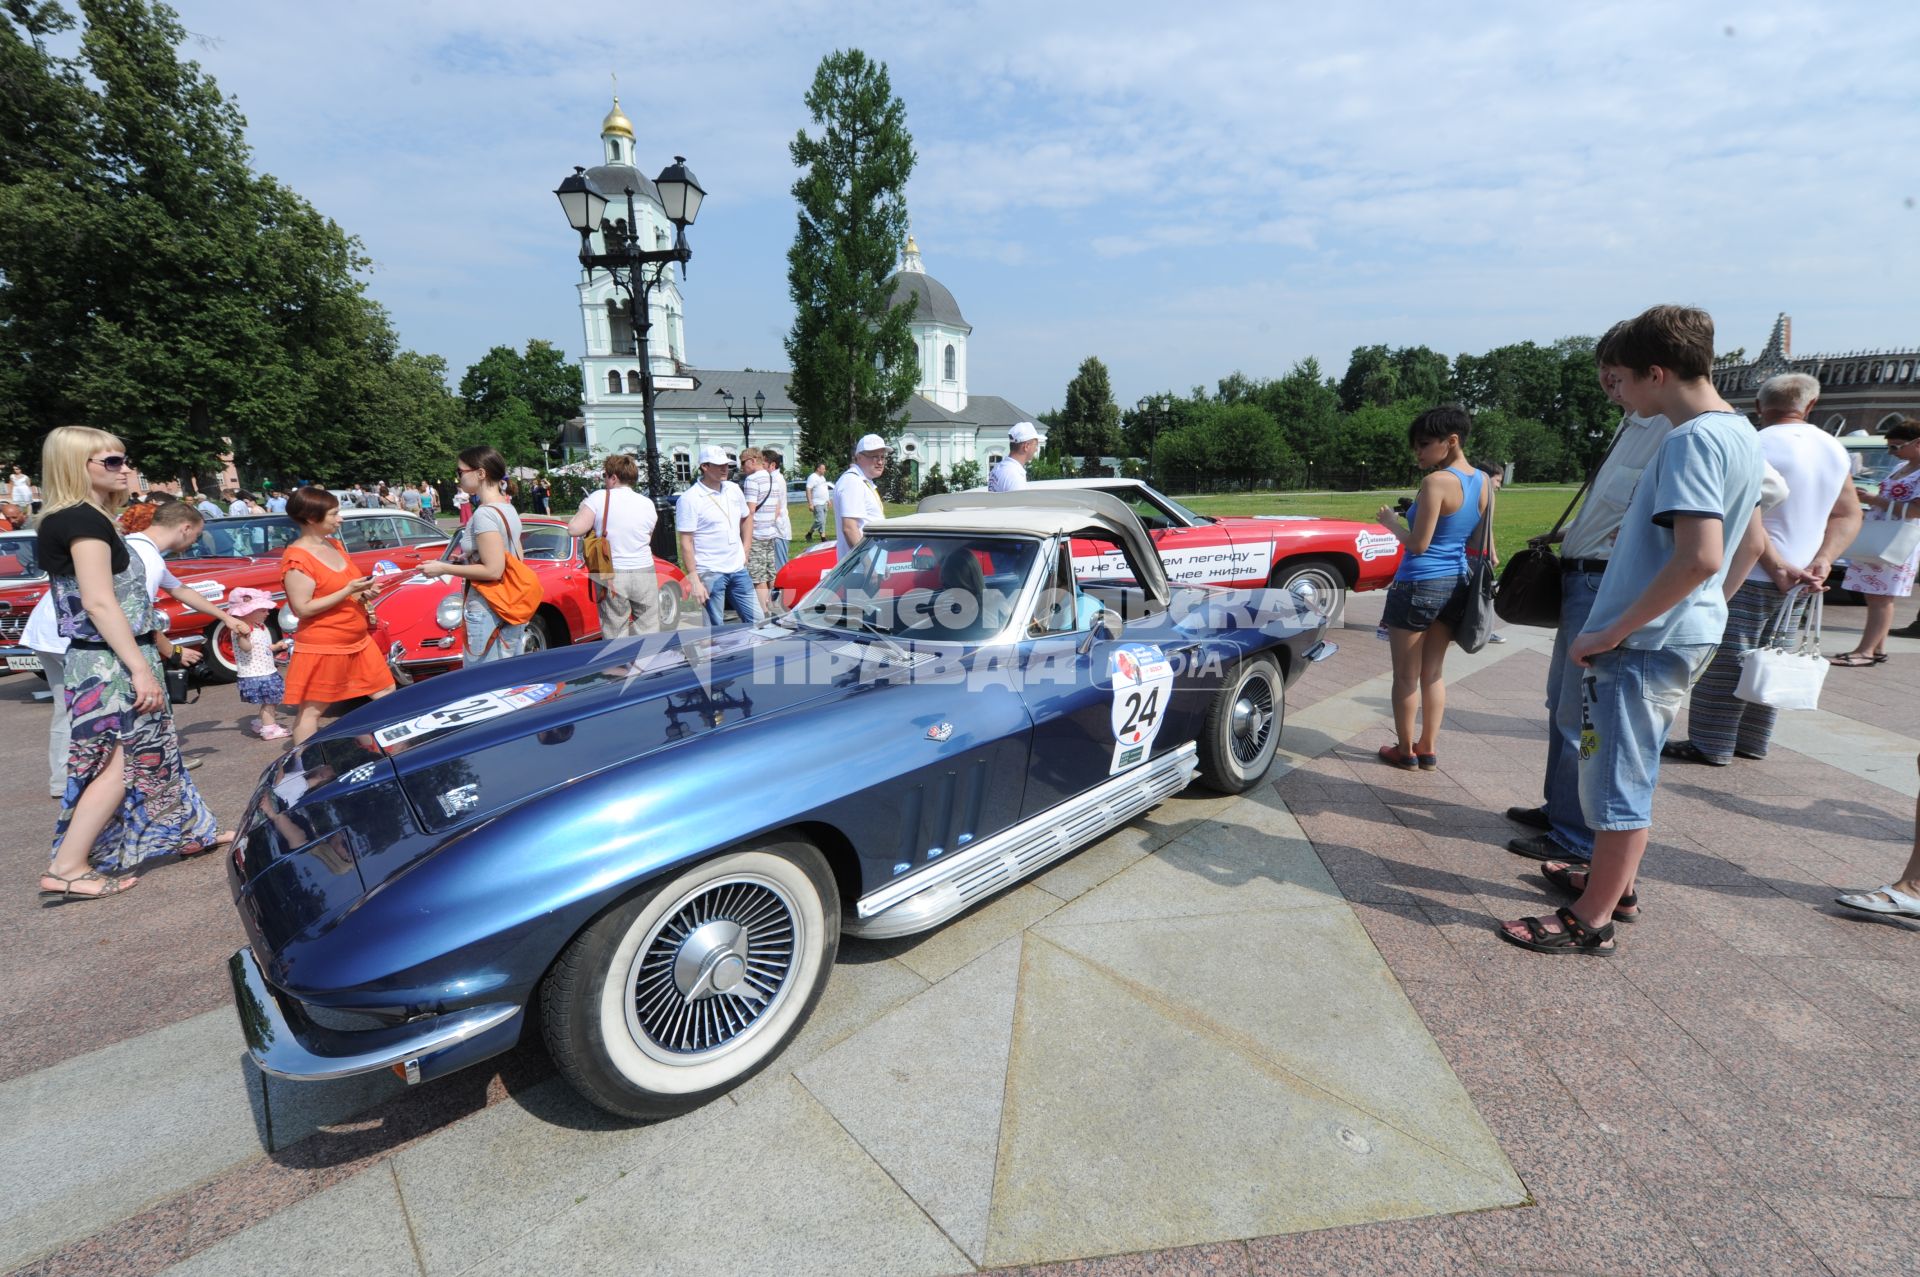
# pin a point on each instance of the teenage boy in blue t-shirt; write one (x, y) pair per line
(1658, 615)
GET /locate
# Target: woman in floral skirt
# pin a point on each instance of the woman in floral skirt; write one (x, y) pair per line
(128, 797)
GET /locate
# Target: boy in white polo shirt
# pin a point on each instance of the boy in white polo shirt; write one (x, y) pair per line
(715, 533)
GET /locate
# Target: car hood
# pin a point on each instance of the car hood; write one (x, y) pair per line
(476, 741)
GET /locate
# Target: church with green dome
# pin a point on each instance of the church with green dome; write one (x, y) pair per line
(946, 423)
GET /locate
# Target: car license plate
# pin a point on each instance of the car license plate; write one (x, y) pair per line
(23, 662)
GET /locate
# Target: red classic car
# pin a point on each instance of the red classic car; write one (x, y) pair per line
(230, 553)
(420, 618)
(1284, 551)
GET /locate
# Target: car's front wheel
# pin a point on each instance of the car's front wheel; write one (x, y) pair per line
(681, 993)
(1243, 726)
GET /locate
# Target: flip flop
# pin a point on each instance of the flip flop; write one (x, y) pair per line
(1852, 660)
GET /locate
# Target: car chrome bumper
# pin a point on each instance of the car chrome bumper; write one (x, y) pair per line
(283, 1041)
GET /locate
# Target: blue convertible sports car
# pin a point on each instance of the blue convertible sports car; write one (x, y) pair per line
(646, 851)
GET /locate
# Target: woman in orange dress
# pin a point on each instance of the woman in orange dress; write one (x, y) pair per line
(334, 655)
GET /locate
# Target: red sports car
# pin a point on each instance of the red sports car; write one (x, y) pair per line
(420, 618)
(1283, 551)
(230, 553)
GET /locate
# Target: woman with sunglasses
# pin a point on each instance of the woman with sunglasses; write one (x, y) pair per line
(1881, 584)
(128, 796)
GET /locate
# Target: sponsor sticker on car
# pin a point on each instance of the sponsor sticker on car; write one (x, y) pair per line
(1142, 686)
(474, 709)
(1375, 545)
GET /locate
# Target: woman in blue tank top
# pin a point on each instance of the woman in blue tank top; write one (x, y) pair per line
(1429, 592)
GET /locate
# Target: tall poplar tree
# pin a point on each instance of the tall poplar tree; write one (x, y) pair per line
(854, 366)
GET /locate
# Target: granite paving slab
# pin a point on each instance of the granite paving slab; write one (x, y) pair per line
(921, 1089)
(358, 1227)
(1128, 1127)
(774, 1186)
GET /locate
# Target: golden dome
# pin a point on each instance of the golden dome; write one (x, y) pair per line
(911, 246)
(617, 122)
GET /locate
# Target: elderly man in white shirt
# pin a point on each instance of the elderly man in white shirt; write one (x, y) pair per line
(856, 501)
(716, 530)
(819, 493)
(1010, 472)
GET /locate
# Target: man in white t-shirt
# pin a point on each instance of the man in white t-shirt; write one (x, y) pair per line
(856, 501)
(1010, 472)
(819, 493)
(1803, 534)
(628, 594)
(715, 531)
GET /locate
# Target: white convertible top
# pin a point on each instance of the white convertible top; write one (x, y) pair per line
(1058, 512)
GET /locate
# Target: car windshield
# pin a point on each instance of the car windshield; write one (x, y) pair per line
(544, 542)
(1151, 507)
(19, 558)
(1875, 463)
(947, 587)
(241, 538)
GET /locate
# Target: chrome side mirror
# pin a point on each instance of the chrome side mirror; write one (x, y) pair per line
(1107, 628)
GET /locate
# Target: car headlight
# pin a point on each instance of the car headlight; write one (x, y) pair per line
(288, 621)
(449, 614)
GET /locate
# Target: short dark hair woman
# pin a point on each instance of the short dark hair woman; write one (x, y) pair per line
(490, 532)
(1429, 591)
(334, 656)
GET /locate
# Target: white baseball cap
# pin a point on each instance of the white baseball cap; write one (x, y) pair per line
(871, 443)
(712, 454)
(1022, 431)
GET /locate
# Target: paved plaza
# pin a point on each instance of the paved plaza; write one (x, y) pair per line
(1271, 1034)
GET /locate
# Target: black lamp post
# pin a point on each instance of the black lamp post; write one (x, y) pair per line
(636, 271)
(748, 414)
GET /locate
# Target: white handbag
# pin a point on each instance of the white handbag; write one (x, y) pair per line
(1888, 542)
(1786, 671)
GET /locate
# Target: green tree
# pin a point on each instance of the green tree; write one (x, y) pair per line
(966, 475)
(1372, 377)
(540, 377)
(1141, 424)
(1089, 423)
(935, 482)
(1307, 410)
(1421, 374)
(149, 279)
(854, 364)
(1244, 445)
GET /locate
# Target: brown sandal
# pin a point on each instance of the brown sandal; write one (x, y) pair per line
(114, 886)
(222, 839)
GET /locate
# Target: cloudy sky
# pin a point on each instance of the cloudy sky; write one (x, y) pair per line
(1183, 192)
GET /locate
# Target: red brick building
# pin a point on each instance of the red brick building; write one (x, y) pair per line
(1859, 390)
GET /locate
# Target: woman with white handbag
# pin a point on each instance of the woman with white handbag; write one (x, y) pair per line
(1888, 549)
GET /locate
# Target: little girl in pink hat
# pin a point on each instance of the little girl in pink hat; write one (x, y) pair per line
(260, 680)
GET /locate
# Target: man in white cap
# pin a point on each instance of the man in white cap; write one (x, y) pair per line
(1010, 472)
(855, 500)
(715, 531)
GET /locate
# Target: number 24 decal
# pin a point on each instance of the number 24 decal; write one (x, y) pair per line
(1141, 714)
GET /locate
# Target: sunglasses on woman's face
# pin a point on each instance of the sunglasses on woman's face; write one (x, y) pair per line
(117, 461)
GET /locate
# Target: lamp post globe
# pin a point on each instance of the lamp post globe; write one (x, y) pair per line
(583, 202)
(680, 192)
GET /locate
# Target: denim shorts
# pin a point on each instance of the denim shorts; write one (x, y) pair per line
(1628, 700)
(1415, 605)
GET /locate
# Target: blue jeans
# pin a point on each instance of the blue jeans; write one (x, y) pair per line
(1629, 698)
(1561, 788)
(737, 586)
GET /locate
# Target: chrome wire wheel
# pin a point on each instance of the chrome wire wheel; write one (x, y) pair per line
(1252, 719)
(713, 970)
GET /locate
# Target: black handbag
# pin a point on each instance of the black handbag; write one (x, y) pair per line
(1476, 619)
(179, 690)
(1529, 588)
